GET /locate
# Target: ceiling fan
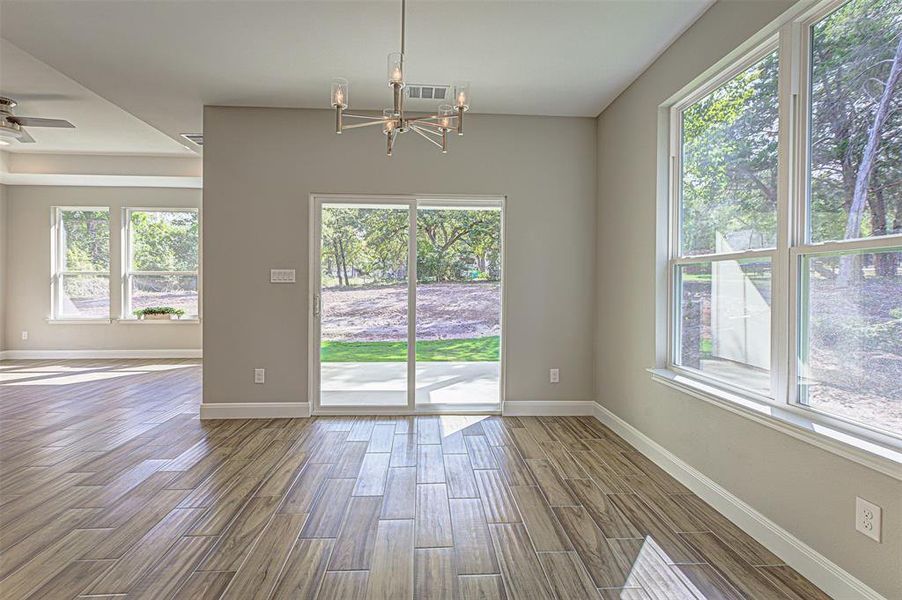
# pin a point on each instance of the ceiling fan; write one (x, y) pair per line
(11, 126)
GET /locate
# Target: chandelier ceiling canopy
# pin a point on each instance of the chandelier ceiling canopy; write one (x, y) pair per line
(433, 128)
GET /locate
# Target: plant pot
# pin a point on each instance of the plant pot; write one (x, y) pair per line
(163, 317)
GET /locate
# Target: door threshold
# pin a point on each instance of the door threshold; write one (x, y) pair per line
(388, 411)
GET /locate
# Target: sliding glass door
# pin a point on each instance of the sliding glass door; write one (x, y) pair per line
(406, 297)
(458, 306)
(363, 304)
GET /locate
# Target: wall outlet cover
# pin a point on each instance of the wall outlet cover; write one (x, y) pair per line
(868, 518)
(554, 375)
(259, 375)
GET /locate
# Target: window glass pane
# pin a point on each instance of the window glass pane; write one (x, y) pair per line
(856, 122)
(175, 291)
(164, 241)
(724, 320)
(84, 240)
(728, 195)
(851, 337)
(84, 296)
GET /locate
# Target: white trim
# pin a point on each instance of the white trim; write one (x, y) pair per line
(158, 321)
(77, 354)
(254, 410)
(816, 567)
(543, 408)
(52, 321)
(66, 180)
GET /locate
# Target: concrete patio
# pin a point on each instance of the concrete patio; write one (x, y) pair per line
(385, 383)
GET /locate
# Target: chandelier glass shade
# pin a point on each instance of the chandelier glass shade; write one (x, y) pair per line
(394, 121)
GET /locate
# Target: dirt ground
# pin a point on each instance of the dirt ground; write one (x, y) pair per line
(379, 313)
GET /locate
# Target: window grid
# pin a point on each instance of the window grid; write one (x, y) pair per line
(793, 244)
(129, 274)
(60, 274)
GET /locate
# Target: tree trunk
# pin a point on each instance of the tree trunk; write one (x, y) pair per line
(344, 262)
(884, 262)
(337, 260)
(865, 168)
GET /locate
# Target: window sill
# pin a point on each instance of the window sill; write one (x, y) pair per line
(886, 459)
(158, 321)
(51, 321)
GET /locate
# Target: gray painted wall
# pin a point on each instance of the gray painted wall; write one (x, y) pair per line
(808, 491)
(261, 165)
(3, 236)
(29, 210)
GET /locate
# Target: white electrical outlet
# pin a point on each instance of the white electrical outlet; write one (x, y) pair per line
(554, 375)
(24, 335)
(868, 517)
(281, 276)
(259, 375)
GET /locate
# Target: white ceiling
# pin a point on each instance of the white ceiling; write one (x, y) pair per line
(163, 60)
(101, 126)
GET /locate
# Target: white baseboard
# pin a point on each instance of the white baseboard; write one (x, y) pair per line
(97, 354)
(254, 410)
(823, 572)
(546, 408)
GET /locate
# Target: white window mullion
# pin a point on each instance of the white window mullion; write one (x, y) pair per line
(781, 328)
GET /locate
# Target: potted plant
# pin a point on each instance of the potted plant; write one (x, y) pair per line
(159, 313)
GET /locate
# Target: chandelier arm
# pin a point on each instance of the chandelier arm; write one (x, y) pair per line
(368, 117)
(426, 137)
(429, 131)
(423, 118)
(435, 126)
(366, 124)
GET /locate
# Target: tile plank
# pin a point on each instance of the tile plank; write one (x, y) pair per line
(392, 571)
(433, 520)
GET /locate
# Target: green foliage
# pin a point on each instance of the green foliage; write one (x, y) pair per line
(86, 240)
(729, 153)
(164, 241)
(159, 310)
(852, 53)
(369, 246)
(474, 349)
(729, 164)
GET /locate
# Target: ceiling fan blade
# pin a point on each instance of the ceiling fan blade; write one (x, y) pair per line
(39, 122)
(24, 138)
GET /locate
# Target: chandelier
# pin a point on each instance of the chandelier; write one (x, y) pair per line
(433, 128)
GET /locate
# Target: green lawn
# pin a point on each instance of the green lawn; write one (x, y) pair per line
(474, 349)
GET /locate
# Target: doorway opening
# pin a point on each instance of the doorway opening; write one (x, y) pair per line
(407, 304)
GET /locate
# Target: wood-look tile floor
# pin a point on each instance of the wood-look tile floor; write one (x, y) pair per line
(112, 487)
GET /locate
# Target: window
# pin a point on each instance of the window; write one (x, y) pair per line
(81, 263)
(727, 228)
(162, 260)
(785, 253)
(850, 311)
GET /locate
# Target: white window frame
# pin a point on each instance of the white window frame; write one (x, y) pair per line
(57, 247)
(781, 409)
(128, 254)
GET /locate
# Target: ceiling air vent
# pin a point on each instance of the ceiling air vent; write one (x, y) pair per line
(416, 91)
(196, 138)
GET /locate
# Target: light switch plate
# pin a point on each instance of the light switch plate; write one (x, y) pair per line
(281, 276)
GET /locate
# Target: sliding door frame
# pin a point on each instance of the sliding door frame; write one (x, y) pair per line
(314, 302)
